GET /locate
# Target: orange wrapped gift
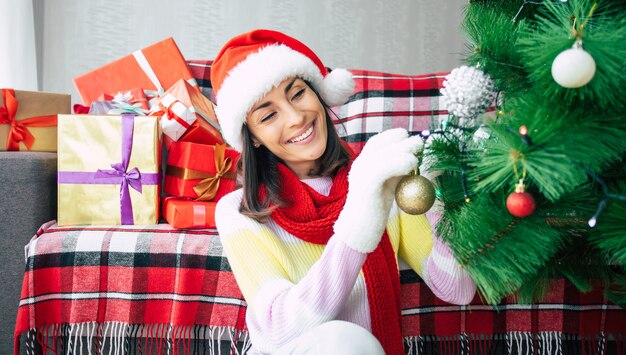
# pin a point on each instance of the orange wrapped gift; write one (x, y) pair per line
(156, 67)
(28, 119)
(199, 171)
(181, 212)
(187, 114)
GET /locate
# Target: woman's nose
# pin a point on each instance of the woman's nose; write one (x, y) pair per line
(295, 116)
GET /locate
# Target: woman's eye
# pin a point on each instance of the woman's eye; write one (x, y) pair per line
(268, 117)
(298, 94)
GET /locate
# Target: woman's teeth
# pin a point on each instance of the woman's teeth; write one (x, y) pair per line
(303, 136)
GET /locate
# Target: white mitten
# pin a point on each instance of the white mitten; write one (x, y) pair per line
(372, 181)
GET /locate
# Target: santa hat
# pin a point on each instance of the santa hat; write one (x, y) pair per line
(253, 63)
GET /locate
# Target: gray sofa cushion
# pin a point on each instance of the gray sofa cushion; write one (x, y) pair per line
(27, 200)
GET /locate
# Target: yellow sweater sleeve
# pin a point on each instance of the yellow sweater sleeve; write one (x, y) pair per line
(414, 237)
(254, 256)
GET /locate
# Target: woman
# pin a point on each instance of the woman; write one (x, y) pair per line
(313, 236)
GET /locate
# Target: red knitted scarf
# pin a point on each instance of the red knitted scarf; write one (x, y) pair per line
(310, 216)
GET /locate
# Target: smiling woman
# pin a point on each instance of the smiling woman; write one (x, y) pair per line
(314, 235)
(291, 128)
(291, 124)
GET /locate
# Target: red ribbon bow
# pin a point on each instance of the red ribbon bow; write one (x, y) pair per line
(167, 111)
(19, 129)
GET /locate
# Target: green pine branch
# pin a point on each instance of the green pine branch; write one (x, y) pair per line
(501, 252)
(555, 153)
(603, 34)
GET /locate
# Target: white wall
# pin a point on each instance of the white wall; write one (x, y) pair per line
(17, 45)
(401, 36)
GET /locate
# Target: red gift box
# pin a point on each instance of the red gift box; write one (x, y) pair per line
(156, 67)
(199, 171)
(181, 212)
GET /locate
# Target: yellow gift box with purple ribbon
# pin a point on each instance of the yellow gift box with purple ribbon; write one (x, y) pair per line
(108, 169)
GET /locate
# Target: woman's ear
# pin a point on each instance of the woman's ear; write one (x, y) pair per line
(256, 142)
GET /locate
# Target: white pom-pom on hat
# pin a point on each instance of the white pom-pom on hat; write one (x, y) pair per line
(337, 87)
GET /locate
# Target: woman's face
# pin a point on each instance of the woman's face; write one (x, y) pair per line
(290, 121)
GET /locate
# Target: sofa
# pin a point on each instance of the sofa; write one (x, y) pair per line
(156, 289)
(27, 200)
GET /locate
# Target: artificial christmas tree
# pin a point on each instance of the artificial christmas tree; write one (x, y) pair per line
(557, 123)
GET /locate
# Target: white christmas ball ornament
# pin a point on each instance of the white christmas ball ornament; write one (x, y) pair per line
(573, 67)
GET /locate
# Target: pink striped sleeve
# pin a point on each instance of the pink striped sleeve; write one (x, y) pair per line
(445, 277)
(283, 310)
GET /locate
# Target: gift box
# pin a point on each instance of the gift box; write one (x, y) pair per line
(155, 68)
(115, 108)
(185, 112)
(134, 96)
(28, 119)
(108, 169)
(181, 212)
(199, 171)
(202, 131)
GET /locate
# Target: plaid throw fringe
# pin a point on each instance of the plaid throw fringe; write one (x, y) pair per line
(523, 343)
(119, 338)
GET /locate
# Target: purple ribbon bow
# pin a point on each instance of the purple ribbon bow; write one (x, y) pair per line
(119, 175)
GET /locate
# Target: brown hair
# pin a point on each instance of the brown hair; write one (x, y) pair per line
(258, 167)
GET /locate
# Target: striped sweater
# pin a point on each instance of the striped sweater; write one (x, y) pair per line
(292, 286)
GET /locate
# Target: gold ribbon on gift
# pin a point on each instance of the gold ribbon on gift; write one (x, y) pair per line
(19, 129)
(207, 188)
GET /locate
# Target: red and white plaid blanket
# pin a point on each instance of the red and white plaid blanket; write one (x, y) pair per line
(155, 289)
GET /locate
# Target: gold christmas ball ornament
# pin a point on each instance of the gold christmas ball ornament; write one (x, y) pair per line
(415, 194)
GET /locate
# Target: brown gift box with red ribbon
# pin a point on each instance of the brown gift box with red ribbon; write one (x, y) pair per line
(182, 212)
(28, 119)
(200, 171)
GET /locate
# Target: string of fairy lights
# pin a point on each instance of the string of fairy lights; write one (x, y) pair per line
(526, 2)
(444, 131)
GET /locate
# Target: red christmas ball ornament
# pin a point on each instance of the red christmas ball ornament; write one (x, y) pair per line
(520, 203)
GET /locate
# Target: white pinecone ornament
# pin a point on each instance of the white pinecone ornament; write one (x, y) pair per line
(467, 93)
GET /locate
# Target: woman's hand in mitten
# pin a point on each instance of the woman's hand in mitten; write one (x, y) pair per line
(372, 180)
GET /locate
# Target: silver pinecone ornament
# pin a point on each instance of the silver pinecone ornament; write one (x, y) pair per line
(467, 93)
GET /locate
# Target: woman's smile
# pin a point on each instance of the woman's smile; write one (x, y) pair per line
(304, 137)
